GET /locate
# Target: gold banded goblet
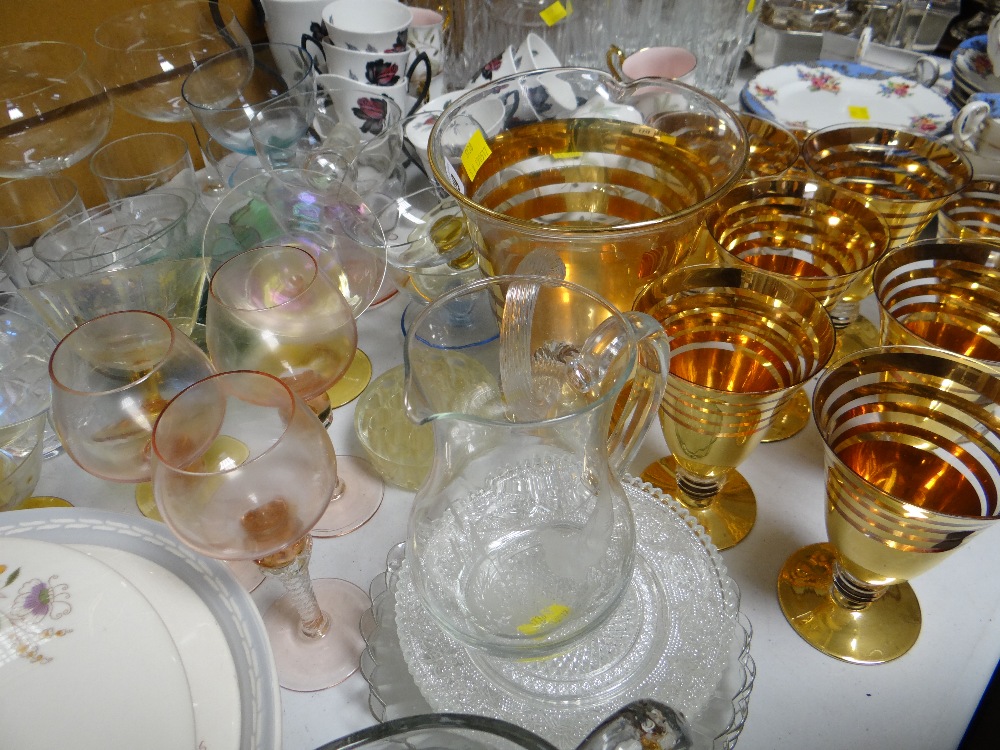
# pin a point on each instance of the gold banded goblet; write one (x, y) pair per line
(741, 342)
(809, 231)
(973, 214)
(942, 293)
(912, 445)
(905, 176)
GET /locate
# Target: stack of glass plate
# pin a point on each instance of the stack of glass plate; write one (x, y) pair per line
(678, 638)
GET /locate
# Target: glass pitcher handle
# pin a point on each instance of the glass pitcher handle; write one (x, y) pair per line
(639, 400)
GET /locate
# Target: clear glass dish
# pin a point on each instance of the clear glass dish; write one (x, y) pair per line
(534, 695)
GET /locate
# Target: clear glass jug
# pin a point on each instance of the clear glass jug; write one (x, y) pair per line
(521, 539)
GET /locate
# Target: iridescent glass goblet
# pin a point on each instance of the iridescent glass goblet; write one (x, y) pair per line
(242, 470)
(942, 293)
(905, 176)
(973, 214)
(111, 378)
(809, 231)
(272, 309)
(54, 113)
(912, 445)
(320, 214)
(741, 342)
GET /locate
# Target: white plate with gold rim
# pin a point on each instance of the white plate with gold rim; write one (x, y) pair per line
(234, 611)
(85, 659)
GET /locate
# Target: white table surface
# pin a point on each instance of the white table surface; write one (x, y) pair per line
(801, 699)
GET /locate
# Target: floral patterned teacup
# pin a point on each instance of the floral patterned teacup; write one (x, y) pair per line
(373, 110)
(500, 66)
(427, 35)
(369, 25)
(375, 68)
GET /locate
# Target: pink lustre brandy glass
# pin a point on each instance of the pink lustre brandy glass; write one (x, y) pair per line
(243, 470)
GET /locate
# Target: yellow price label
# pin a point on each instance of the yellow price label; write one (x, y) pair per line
(566, 155)
(858, 113)
(751, 5)
(555, 13)
(550, 615)
(475, 154)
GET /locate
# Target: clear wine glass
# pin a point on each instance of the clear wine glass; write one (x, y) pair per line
(55, 111)
(243, 470)
(272, 308)
(145, 52)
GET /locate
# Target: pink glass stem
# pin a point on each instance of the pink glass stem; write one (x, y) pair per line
(294, 576)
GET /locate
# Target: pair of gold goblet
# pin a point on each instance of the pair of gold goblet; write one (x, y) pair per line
(912, 440)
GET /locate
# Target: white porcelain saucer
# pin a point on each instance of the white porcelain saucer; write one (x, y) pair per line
(670, 640)
(86, 660)
(810, 96)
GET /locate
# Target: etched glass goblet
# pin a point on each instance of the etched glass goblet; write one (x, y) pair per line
(809, 231)
(741, 342)
(903, 175)
(911, 449)
(243, 470)
(272, 309)
(942, 293)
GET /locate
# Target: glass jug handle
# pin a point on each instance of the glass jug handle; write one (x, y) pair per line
(640, 399)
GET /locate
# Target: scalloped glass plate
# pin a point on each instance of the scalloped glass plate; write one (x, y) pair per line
(691, 652)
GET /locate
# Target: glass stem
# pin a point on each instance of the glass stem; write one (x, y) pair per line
(845, 312)
(698, 491)
(294, 576)
(851, 593)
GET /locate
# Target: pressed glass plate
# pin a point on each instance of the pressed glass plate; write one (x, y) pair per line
(678, 638)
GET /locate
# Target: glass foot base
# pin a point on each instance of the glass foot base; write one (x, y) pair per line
(306, 664)
(729, 516)
(858, 335)
(247, 573)
(43, 501)
(884, 630)
(145, 501)
(353, 382)
(791, 419)
(361, 497)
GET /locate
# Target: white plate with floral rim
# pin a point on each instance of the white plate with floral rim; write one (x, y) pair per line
(86, 660)
(810, 96)
(234, 612)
